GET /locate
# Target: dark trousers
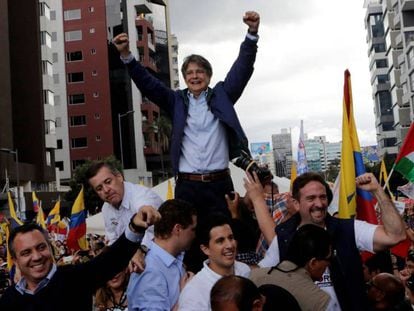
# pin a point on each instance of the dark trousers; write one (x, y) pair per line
(207, 198)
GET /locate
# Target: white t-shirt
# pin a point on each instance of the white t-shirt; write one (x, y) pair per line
(195, 296)
(117, 219)
(364, 240)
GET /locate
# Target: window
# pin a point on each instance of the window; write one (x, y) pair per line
(77, 120)
(97, 116)
(54, 36)
(93, 51)
(52, 15)
(98, 138)
(50, 127)
(76, 99)
(74, 35)
(91, 9)
(75, 77)
(47, 68)
(80, 142)
(72, 14)
(46, 39)
(48, 158)
(59, 144)
(76, 163)
(58, 122)
(55, 57)
(56, 78)
(56, 100)
(94, 73)
(91, 30)
(59, 165)
(96, 94)
(74, 56)
(44, 10)
(48, 97)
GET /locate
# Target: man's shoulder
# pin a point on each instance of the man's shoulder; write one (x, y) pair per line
(241, 269)
(10, 299)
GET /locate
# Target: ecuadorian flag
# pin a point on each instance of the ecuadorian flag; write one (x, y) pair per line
(77, 228)
(14, 220)
(352, 202)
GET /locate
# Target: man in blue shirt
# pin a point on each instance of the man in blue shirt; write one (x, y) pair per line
(206, 131)
(159, 286)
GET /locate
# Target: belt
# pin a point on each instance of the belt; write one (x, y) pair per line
(207, 177)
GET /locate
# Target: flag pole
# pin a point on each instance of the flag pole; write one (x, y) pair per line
(389, 177)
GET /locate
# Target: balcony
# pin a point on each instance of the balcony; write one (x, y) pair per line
(407, 5)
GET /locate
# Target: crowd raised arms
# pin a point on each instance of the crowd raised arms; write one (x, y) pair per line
(210, 248)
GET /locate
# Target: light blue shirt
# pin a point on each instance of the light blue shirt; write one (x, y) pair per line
(204, 147)
(158, 287)
(21, 286)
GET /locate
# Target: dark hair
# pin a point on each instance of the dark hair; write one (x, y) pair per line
(95, 166)
(173, 212)
(302, 180)
(25, 229)
(278, 298)
(233, 288)
(309, 241)
(410, 255)
(213, 220)
(200, 61)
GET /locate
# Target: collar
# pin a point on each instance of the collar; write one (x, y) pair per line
(21, 286)
(202, 94)
(127, 195)
(165, 256)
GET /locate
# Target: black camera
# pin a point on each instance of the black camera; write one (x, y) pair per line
(245, 162)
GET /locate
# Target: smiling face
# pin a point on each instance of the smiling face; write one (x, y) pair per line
(313, 203)
(108, 186)
(196, 78)
(33, 257)
(221, 250)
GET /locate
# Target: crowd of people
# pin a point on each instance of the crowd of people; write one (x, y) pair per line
(210, 248)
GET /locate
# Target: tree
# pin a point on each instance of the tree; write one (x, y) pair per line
(162, 128)
(333, 170)
(93, 203)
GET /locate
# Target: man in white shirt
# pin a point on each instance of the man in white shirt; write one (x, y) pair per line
(312, 195)
(219, 245)
(122, 200)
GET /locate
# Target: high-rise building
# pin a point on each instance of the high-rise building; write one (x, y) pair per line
(389, 25)
(27, 117)
(99, 109)
(282, 153)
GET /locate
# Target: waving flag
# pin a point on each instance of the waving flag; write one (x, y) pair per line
(77, 228)
(405, 159)
(14, 220)
(293, 174)
(352, 201)
(35, 202)
(302, 166)
(40, 218)
(54, 215)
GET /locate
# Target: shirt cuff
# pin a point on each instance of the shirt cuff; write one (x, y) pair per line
(132, 236)
(129, 58)
(252, 37)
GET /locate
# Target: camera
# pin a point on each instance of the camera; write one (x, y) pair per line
(245, 162)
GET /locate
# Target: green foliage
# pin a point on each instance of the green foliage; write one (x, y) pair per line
(92, 202)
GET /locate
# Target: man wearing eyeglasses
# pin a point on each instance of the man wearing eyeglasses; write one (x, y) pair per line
(311, 194)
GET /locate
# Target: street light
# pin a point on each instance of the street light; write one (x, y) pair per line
(121, 115)
(16, 154)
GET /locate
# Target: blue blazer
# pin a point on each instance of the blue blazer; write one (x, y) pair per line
(220, 98)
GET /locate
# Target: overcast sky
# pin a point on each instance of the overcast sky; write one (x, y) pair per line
(304, 49)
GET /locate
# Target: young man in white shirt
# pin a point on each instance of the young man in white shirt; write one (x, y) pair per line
(219, 245)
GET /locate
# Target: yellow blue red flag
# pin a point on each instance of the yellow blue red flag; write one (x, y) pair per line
(77, 228)
(35, 202)
(14, 220)
(353, 202)
(54, 215)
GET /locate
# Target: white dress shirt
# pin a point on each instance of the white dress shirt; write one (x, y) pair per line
(117, 219)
